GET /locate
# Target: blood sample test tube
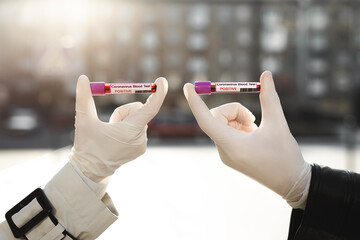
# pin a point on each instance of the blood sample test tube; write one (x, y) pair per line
(206, 87)
(101, 88)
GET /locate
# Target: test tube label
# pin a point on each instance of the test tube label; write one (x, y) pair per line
(236, 86)
(117, 88)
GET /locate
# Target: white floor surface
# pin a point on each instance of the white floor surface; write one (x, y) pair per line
(174, 193)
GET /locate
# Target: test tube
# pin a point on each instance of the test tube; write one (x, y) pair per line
(206, 87)
(101, 88)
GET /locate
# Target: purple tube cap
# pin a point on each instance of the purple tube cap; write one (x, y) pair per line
(97, 88)
(203, 87)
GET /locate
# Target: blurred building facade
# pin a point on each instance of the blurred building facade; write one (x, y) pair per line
(312, 48)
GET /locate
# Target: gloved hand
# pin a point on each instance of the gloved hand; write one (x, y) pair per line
(268, 153)
(101, 147)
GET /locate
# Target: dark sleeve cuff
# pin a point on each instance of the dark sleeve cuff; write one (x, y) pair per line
(333, 207)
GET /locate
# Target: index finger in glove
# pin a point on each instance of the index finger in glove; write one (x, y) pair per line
(152, 106)
(210, 125)
(235, 115)
(233, 112)
(123, 111)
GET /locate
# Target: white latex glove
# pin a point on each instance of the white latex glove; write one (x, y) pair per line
(101, 147)
(268, 153)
